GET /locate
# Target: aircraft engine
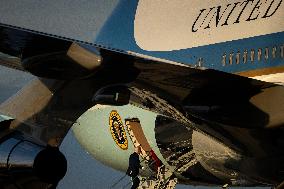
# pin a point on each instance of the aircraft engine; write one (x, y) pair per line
(47, 56)
(75, 62)
(25, 159)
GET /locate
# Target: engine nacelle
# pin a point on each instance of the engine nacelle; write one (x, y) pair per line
(21, 157)
(74, 62)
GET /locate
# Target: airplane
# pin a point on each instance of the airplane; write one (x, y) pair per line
(198, 86)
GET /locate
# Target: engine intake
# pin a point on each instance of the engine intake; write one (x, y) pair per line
(19, 156)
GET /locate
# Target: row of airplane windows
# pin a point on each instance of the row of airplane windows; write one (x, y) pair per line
(253, 55)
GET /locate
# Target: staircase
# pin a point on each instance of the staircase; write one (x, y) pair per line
(163, 180)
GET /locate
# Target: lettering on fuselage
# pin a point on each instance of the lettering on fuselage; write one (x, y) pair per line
(170, 25)
(234, 13)
(117, 130)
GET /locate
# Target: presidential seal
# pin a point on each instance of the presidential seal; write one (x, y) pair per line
(117, 130)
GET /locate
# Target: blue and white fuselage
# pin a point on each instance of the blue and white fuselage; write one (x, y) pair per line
(243, 37)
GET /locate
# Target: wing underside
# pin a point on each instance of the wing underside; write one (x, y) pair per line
(46, 108)
(207, 94)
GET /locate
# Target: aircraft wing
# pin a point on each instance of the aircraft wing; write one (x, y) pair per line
(204, 93)
(47, 107)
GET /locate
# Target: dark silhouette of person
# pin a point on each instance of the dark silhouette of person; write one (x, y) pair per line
(134, 166)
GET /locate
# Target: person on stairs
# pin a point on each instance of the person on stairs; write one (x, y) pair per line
(134, 166)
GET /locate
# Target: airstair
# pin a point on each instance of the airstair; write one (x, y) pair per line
(161, 177)
(163, 180)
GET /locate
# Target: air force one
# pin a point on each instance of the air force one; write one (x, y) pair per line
(198, 85)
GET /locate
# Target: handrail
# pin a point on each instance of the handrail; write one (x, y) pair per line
(142, 171)
(112, 186)
(154, 161)
(119, 180)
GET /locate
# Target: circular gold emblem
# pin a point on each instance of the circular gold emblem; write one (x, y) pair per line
(117, 130)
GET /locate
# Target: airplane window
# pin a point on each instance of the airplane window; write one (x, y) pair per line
(238, 57)
(252, 55)
(274, 49)
(266, 53)
(245, 56)
(231, 58)
(224, 60)
(259, 53)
